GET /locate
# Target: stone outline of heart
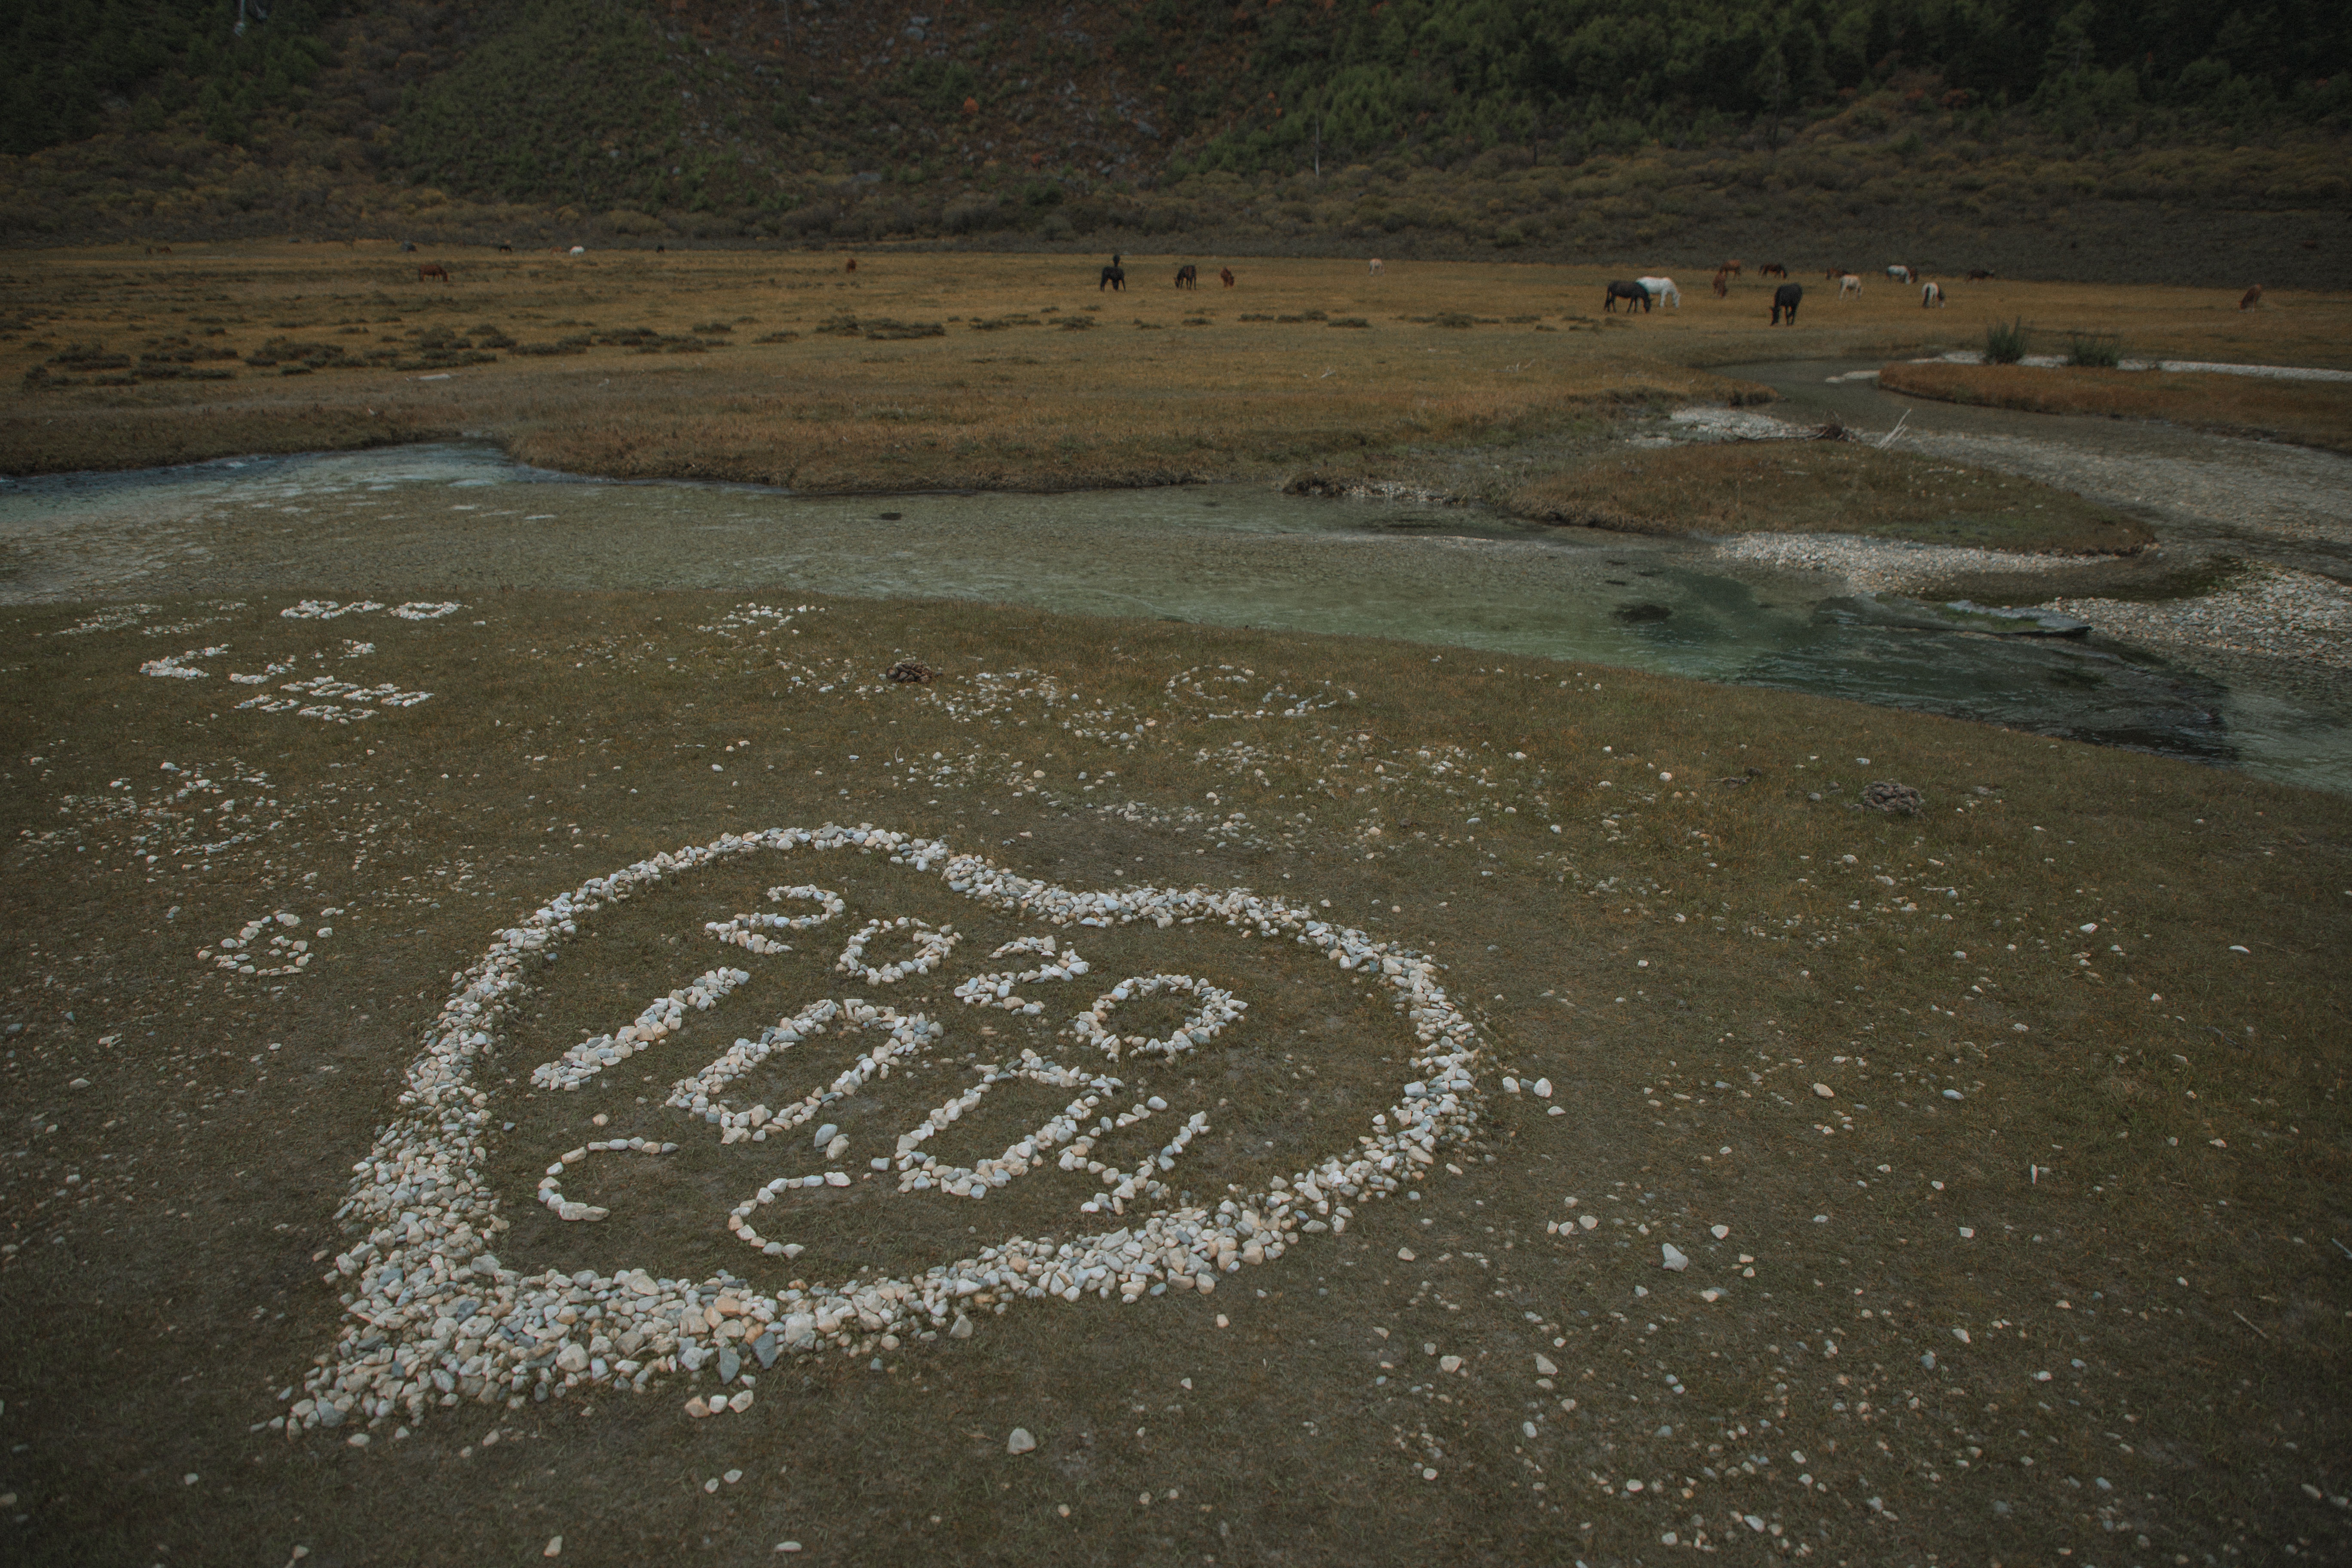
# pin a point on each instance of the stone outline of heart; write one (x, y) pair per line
(445, 1113)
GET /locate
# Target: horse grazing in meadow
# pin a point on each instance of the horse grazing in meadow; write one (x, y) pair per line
(1377, 268)
(853, 265)
(1663, 291)
(1771, 269)
(1901, 274)
(1114, 277)
(1227, 274)
(1633, 294)
(1978, 274)
(1723, 275)
(1787, 297)
(430, 270)
(1730, 267)
(1849, 287)
(1931, 295)
(2251, 298)
(1188, 277)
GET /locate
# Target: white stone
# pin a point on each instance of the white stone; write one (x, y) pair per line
(1542, 1088)
(1544, 1365)
(1719, 1231)
(1672, 1257)
(1019, 1441)
(1826, 1091)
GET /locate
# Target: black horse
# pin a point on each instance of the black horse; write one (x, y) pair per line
(1787, 297)
(1631, 294)
(1188, 277)
(1113, 276)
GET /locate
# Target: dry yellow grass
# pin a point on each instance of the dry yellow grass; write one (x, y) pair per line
(1826, 487)
(2312, 413)
(1159, 385)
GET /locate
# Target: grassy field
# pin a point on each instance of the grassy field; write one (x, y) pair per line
(2007, 1154)
(941, 371)
(2308, 414)
(1826, 487)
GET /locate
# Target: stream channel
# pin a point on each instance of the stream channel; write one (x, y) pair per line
(460, 518)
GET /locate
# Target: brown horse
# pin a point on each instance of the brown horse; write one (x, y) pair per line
(1771, 269)
(853, 265)
(1723, 281)
(1732, 267)
(1979, 274)
(2253, 298)
(430, 270)
(1227, 274)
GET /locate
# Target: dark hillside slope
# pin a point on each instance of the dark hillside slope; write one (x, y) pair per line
(1951, 134)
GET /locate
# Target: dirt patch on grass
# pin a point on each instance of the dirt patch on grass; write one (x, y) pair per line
(2310, 414)
(1933, 1107)
(1826, 487)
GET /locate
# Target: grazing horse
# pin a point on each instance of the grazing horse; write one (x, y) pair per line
(1187, 277)
(1723, 275)
(1377, 268)
(430, 270)
(506, 249)
(1979, 274)
(1771, 269)
(1849, 287)
(1227, 274)
(1787, 297)
(1834, 274)
(1901, 274)
(1114, 277)
(1663, 288)
(1731, 267)
(1931, 294)
(1631, 294)
(853, 265)
(2251, 298)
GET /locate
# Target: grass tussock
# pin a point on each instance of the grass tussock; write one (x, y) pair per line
(2309, 412)
(2005, 342)
(1825, 487)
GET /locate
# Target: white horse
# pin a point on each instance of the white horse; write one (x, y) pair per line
(1930, 294)
(1662, 289)
(1849, 287)
(1377, 268)
(1901, 275)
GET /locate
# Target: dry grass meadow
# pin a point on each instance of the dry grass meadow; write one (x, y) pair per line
(2009, 1155)
(936, 371)
(2309, 415)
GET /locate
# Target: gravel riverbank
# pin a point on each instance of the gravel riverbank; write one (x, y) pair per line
(2276, 613)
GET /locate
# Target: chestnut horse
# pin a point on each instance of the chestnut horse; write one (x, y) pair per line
(1227, 274)
(1771, 269)
(2253, 298)
(430, 270)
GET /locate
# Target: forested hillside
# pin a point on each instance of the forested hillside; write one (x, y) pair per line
(2019, 132)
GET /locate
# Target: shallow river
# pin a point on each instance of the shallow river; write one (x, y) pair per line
(461, 519)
